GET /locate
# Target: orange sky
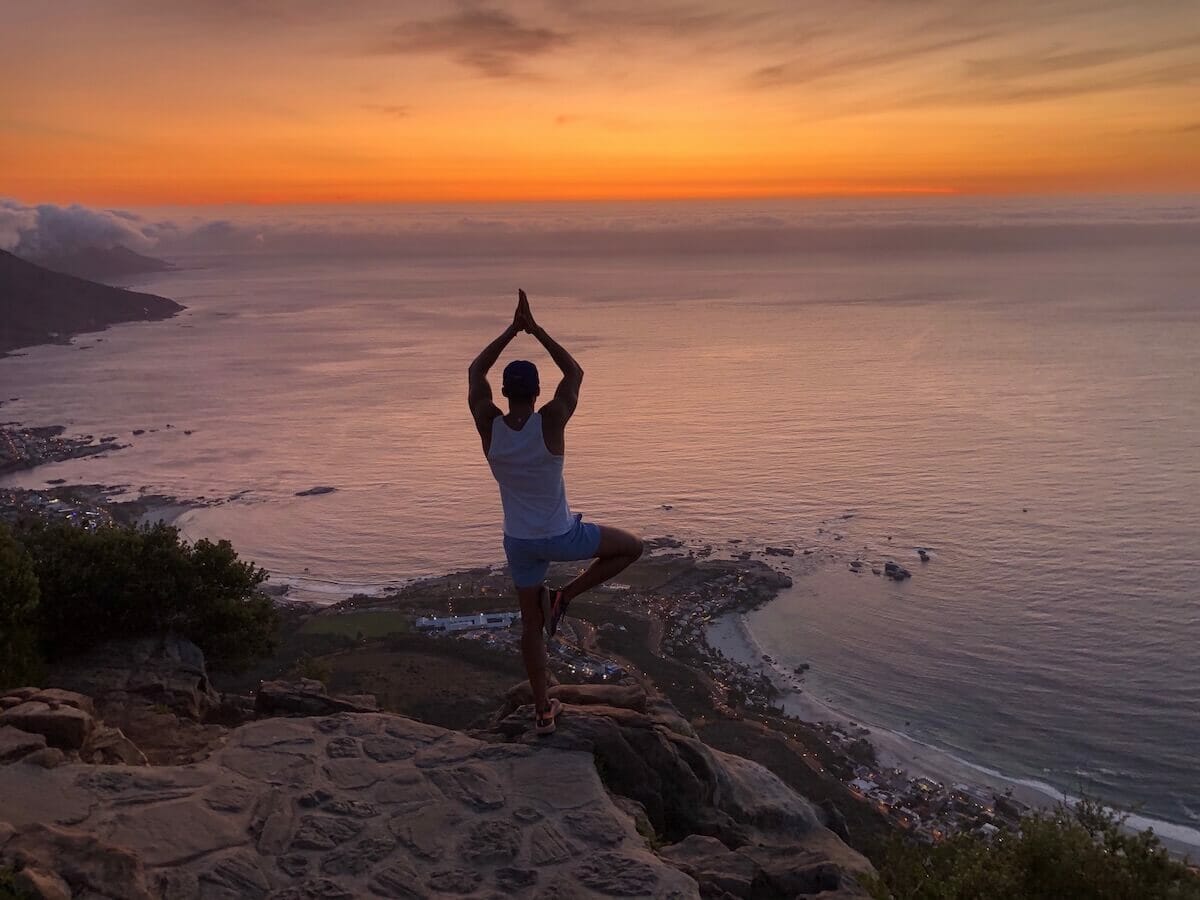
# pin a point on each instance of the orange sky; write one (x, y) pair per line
(303, 101)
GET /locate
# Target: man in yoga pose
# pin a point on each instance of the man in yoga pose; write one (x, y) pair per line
(525, 451)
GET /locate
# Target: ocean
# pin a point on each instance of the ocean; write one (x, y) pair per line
(1013, 384)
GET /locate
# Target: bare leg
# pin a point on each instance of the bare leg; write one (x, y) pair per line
(618, 550)
(533, 645)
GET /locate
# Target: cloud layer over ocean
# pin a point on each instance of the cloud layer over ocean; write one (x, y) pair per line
(597, 229)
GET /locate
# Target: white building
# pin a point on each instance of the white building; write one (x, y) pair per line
(464, 623)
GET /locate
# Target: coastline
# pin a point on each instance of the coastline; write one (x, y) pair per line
(732, 636)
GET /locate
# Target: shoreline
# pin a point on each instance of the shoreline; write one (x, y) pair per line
(895, 749)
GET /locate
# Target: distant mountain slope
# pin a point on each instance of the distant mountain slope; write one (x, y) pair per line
(102, 263)
(38, 306)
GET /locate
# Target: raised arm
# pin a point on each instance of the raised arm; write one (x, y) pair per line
(566, 396)
(479, 391)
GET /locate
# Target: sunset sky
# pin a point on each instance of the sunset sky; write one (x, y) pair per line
(361, 100)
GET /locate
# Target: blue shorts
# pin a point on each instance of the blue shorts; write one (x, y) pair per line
(529, 558)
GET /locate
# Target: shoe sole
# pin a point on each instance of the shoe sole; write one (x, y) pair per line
(556, 707)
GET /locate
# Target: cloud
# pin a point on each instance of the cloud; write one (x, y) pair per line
(1057, 60)
(48, 229)
(803, 70)
(490, 41)
(392, 110)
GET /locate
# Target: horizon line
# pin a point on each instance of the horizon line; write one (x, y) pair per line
(522, 199)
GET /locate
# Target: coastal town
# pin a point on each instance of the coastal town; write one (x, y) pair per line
(24, 448)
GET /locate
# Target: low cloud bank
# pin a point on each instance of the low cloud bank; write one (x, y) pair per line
(615, 229)
(46, 229)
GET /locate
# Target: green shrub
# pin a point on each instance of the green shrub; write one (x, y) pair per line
(1081, 853)
(18, 613)
(311, 667)
(8, 890)
(124, 581)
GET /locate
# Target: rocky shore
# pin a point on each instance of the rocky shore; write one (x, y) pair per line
(24, 447)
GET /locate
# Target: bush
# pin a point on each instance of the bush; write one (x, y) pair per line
(123, 581)
(18, 613)
(8, 889)
(1081, 853)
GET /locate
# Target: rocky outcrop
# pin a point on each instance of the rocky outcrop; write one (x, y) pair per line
(307, 697)
(347, 806)
(167, 671)
(48, 727)
(154, 691)
(367, 804)
(730, 823)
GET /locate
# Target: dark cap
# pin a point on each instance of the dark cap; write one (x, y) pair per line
(521, 378)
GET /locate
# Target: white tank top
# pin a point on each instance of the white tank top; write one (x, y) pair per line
(532, 491)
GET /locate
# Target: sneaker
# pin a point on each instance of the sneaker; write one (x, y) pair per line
(545, 722)
(558, 609)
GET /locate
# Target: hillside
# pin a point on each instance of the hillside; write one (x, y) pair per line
(38, 306)
(104, 264)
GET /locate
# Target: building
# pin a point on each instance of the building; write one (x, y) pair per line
(465, 623)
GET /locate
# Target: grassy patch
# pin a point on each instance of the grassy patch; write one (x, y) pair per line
(369, 625)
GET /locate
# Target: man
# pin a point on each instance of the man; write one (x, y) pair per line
(525, 450)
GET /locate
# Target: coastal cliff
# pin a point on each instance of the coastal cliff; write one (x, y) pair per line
(40, 306)
(623, 800)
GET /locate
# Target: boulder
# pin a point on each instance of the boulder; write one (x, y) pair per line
(15, 743)
(169, 671)
(22, 693)
(632, 697)
(707, 802)
(47, 758)
(41, 884)
(81, 860)
(65, 727)
(716, 868)
(56, 697)
(108, 745)
(306, 697)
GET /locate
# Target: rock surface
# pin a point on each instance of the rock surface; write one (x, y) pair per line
(345, 806)
(734, 826)
(362, 804)
(307, 697)
(154, 692)
(168, 671)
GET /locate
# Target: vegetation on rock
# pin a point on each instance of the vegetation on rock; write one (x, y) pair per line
(18, 612)
(124, 581)
(1081, 852)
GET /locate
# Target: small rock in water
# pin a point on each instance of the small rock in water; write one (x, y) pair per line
(57, 481)
(895, 571)
(319, 489)
(923, 553)
(667, 506)
(780, 551)
(137, 431)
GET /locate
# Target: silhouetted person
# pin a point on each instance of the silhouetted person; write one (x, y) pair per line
(525, 450)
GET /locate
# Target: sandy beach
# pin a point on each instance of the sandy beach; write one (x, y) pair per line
(732, 636)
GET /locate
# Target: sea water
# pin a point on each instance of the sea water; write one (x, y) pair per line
(1014, 385)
